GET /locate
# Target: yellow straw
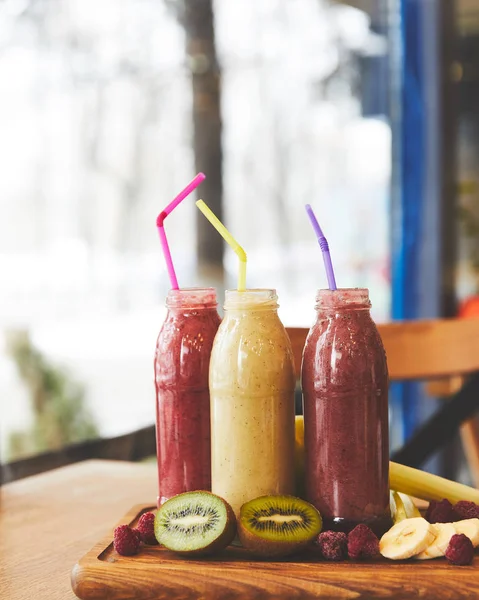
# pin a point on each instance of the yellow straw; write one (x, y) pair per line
(221, 229)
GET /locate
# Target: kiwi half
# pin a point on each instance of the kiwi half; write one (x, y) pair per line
(195, 523)
(275, 526)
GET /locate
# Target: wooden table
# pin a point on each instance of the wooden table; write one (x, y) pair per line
(47, 522)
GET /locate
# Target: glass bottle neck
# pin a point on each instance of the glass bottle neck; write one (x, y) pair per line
(346, 299)
(251, 300)
(192, 299)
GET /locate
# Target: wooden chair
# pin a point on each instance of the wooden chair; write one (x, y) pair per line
(444, 351)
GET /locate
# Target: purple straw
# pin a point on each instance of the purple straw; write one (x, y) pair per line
(323, 244)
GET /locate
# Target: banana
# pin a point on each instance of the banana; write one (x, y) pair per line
(410, 508)
(444, 533)
(299, 455)
(393, 507)
(469, 527)
(402, 506)
(398, 510)
(428, 486)
(407, 538)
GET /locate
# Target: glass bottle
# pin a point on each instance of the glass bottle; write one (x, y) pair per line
(181, 367)
(252, 400)
(345, 398)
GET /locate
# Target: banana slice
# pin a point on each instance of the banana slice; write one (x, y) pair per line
(469, 527)
(407, 538)
(444, 533)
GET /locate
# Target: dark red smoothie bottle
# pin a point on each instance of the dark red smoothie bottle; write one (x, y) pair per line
(182, 360)
(345, 400)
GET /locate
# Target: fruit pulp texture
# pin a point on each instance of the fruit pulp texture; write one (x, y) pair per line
(252, 405)
(182, 400)
(345, 395)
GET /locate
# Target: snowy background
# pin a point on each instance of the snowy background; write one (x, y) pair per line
(96, 132)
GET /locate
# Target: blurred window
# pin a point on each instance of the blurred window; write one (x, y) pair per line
(96, 136)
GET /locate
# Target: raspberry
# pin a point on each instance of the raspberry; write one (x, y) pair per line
(126, 540)
(333, 545)
(440, 512)
(466, 510)
(146, 529)
(362, 542)
(460, 550)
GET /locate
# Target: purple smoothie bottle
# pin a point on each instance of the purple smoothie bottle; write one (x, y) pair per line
(181, 365)
(345, 399)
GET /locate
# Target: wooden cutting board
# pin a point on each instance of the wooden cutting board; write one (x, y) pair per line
(157, 574)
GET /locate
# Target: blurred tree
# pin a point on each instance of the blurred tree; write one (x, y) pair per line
(198, 19)
(60, 416)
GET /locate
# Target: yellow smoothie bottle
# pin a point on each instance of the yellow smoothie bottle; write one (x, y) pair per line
(252, 400)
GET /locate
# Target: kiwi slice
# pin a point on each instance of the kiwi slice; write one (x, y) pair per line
(274, 526)
(195, 523)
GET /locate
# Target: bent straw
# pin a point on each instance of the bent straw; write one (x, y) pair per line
(221, 229)
(323, 244)
(161, 230)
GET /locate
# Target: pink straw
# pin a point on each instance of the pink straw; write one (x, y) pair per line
(161, 229)
(167, 255)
